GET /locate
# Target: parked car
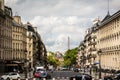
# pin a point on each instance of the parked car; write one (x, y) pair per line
(11, 75)
(108, 78)
(117, 76)
(76, 70)
(64, 68)
(41, 73)
(81, 77)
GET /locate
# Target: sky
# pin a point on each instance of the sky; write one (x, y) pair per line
(56, 20)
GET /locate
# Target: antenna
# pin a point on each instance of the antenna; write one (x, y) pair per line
(108, 6)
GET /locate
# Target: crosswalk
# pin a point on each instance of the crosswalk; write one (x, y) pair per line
(58, 78)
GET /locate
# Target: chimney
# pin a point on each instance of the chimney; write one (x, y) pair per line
(17, 19)
(2, 4)
(35, 28)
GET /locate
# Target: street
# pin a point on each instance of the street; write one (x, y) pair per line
(59, 75)
(63, 75)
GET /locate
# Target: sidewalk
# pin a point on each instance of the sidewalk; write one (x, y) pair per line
(29, 75)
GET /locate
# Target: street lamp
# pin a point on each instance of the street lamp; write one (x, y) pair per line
(90, 63)
(26, 64)
(99, 54)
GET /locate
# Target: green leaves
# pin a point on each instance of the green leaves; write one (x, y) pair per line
(70, 57)
(52, 60)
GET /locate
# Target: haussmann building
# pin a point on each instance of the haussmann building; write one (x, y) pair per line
(108, 41)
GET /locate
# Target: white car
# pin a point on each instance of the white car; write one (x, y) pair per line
(11, 75)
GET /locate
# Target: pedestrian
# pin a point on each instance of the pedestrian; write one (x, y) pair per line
(52, 70)
(83, 77)
(105, 77)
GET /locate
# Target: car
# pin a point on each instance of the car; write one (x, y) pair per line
(76, 70)
(117, 76)
(81, 77)
(64, 68)
(11, 75)
(41, 73)
(108, 78)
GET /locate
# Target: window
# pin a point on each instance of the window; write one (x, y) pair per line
(0, 4)
(30, 46)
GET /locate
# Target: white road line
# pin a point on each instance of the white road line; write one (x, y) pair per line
(58, 78)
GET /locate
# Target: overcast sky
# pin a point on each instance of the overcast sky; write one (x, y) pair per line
(58, 19)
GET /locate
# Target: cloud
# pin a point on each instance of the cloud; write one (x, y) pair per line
(58, 19)
(55, 31)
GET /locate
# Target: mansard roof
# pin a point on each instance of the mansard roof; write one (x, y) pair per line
(15, 23)
(106, 17)
(30, 27)
(109, 18)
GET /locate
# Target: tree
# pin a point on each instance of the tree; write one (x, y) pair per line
(70, 57)
(52, 61)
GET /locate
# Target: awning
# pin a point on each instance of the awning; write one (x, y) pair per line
(11, 64)
(17, 62)
(96, 62)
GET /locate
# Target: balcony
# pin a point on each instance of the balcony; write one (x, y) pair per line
(92, 49)
(93, 36)
(92, 43)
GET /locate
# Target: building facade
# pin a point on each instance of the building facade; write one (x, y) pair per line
(21, 46)
(18, 44)
(81, 56)
(108, 36)
(5, 35)
(87, 51)
(36, 51)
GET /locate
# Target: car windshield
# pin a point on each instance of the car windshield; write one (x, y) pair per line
(13, 73)
(40, 70)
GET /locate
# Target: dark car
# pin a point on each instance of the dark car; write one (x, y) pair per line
(117, 76)
(76, 70)
(108, 78)
(81, 77)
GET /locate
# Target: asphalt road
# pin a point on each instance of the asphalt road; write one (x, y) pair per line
(63, 74)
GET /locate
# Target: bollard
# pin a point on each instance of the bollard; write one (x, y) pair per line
(34, 79)
(18, 78)
(67, 78)
(44, 79)
(74, 79)
(53, 79)
(26, 79)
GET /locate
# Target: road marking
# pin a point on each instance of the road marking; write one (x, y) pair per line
(58, 78)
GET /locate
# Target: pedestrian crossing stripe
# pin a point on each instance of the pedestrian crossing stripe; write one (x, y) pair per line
(58, 78)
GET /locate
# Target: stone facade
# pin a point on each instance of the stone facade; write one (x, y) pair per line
(20, 45)
(18, 39)
(36, 51)
(5, 34)
(108, 36)
(103, 43)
